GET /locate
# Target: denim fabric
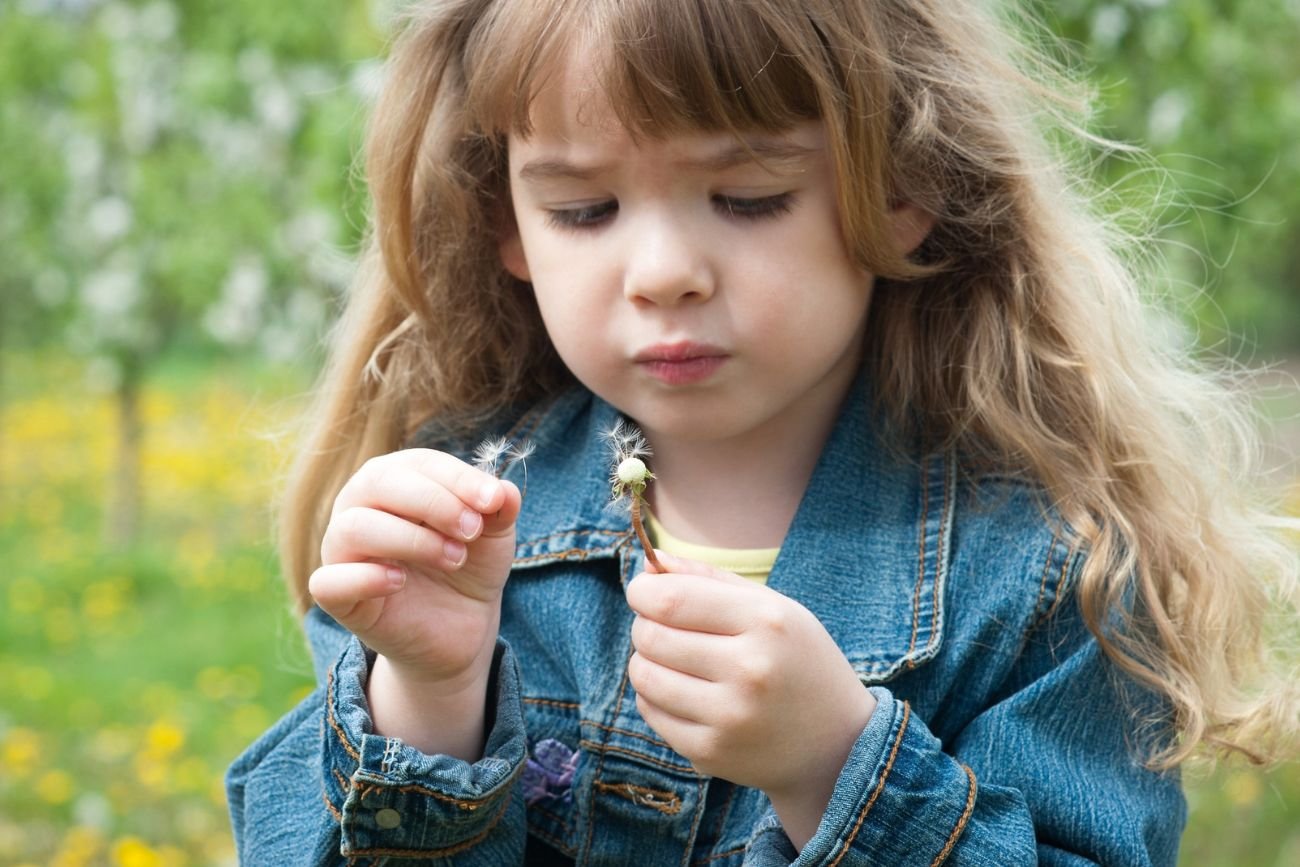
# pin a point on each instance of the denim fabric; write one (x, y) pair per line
(1000, 736)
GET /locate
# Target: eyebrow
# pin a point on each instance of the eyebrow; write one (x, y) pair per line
(765, 152)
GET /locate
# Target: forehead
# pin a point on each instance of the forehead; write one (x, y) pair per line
(571, 101)
(572, 117)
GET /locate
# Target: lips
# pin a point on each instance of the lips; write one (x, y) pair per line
(682, 363)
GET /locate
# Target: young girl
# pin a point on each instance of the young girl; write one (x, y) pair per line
(1002, 574)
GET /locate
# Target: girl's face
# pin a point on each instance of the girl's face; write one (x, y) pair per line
(704, 294)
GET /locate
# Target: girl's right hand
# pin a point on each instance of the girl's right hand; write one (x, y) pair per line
(415, 556)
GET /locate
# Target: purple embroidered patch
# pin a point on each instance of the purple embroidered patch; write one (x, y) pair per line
(549, 772)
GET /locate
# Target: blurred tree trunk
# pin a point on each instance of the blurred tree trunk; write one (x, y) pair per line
(124, 498)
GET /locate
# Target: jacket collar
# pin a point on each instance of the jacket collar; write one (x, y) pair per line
(867, 552)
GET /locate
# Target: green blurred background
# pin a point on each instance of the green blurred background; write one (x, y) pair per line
(178, 218)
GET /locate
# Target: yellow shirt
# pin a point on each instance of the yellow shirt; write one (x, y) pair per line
(752, 563)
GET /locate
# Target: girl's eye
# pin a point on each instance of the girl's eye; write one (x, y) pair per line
(754, 209)
(586, 217)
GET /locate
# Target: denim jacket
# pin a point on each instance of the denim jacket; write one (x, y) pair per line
(1000, 736)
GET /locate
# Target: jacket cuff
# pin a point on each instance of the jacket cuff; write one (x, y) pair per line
(898, 800)
(391, 799)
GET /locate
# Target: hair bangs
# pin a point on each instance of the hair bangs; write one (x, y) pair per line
(666, 66)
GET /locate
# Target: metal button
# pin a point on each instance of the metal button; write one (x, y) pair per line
(388, 818)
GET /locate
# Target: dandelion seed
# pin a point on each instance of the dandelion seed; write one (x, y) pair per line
(487, 457)
(521, 452)
(495, 455)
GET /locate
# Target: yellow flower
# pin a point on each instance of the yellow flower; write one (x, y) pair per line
(78, 848)
(55, 787)
(163, 739)
(104, 600)
(134, 852)
(19, 750)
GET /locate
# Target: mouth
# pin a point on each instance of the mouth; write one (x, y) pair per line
(682, 363)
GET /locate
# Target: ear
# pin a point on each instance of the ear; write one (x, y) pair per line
(511, 249)
(910, 225)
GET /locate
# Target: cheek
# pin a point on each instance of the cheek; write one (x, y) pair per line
(576, 328)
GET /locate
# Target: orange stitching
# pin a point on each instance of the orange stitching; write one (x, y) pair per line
(364, 788)
(889, 766)
(550, 702)
(961, 823)
(667, 803)
(329, 714)
(344, 783)
(451, 850)
(737, 851)
(920, 563)
(578, 554)
(338, 817)
(606, 748)
(647, 738)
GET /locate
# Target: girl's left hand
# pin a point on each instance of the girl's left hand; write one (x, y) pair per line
(745, 683)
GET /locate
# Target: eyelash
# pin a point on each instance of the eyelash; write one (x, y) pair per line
(593, 216)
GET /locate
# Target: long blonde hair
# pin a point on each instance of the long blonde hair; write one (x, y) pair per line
(1016, 334)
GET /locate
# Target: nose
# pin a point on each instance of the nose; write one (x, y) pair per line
(668, 264)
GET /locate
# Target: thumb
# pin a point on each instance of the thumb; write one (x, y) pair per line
(505, 516)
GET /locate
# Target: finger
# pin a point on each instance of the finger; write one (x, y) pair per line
(360, 534)
(678, 732)
(477, 489)
(704, 655)
(687, 566)
(427, 487)
(691, 602)
(685, 697)
(340, 588)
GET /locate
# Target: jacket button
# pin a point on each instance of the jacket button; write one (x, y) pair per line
(388, 818)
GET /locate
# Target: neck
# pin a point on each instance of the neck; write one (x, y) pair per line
(740, 492)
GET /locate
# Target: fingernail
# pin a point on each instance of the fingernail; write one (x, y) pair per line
(396, 577)
(470, 524)
(454, 552)
(486, 493)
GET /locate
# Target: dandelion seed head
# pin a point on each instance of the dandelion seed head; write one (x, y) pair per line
(631, 471)
(630, 474)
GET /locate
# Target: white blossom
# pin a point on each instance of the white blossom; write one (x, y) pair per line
(238, 313)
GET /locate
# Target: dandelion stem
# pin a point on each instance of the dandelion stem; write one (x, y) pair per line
(639, 526)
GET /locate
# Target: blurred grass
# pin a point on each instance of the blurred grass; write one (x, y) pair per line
(130, 680)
